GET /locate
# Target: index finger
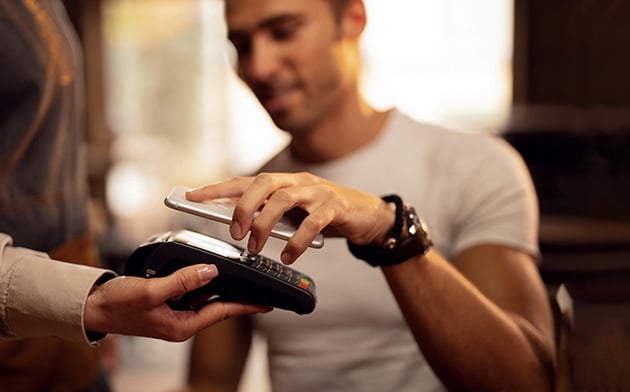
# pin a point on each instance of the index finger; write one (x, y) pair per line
(261, 188)
(234, 187)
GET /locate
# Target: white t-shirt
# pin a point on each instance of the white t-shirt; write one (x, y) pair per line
(470, 188)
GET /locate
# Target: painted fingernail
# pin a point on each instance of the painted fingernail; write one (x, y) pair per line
(207, 273)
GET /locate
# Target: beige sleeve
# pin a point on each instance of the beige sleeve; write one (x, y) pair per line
(42, 297)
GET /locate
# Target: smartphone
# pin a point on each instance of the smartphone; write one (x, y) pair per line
(221, 210)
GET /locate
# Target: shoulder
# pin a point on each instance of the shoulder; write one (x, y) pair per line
(468, 150)
(402, 125)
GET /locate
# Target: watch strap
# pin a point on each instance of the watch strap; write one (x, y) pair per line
(397, 248)
(398, 222)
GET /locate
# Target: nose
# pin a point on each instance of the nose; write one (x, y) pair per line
(262, 63)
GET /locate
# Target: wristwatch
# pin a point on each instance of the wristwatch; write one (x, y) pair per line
(397, 248)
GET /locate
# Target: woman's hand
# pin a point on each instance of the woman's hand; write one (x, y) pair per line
(136, 306)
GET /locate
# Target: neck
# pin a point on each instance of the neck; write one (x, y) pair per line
(346, 129)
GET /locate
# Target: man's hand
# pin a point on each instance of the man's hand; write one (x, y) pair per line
(331, 208)
(136, 306)
(336, 210)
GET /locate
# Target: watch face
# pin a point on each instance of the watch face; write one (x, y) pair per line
(207, 243)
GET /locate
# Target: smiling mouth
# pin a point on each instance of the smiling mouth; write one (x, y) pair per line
(278, 99)
(276, 103)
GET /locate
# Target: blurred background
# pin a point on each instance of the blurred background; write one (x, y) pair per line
(165, 108)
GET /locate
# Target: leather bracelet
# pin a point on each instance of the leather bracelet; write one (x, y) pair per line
(395, 250)
(398, 222)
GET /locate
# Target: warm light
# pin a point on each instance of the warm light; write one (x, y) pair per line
(447, 62)
(443, 61)
(129, 190)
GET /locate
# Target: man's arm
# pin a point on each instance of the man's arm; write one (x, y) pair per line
(218, 356)
(484, 324)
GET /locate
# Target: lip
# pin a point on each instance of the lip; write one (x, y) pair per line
(280, 100)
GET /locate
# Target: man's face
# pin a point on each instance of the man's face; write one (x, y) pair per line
(290, 53)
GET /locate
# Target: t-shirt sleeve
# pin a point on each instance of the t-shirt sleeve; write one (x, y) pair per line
(500, 206)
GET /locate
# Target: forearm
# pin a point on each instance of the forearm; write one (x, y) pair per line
(218, 356)
(42, 297)
(470, 342)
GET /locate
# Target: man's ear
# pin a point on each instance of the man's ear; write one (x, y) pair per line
(354, 19)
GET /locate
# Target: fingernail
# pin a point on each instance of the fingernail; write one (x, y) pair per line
(252, 244)
(235, 230)
(286, 257)
(207, 273)
(190, 192)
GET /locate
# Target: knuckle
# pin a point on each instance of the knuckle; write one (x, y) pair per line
(336, 206)
(314, 223)
(241, 181)
(283, 196)
(340, 206)
(264, 179)
(148, 294)
(307, 177)
(184, 281)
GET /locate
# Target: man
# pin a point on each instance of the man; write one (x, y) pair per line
(44, 220)
(468, 310)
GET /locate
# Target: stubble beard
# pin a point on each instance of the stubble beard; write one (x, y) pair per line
(316, 107)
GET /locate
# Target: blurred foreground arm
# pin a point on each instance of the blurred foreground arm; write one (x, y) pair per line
(136, 306)
(44, 297)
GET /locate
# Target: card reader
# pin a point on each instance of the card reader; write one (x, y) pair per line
(243, 277)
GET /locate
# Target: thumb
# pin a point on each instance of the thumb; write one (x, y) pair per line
(187, 279)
